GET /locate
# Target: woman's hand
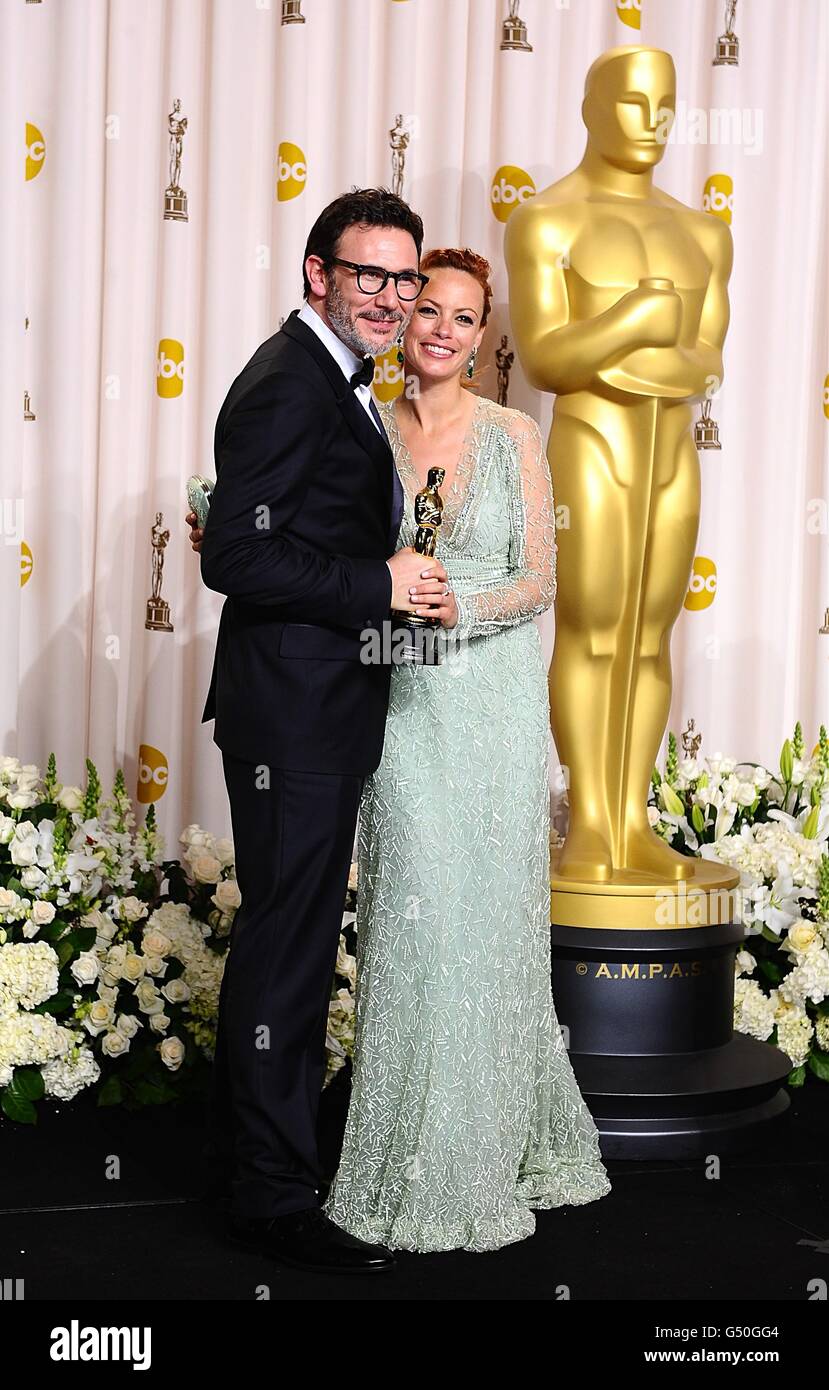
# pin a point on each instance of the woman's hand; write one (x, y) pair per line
(196, 533)
(433, 601)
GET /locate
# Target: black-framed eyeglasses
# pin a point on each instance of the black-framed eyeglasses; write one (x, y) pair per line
(371, 279)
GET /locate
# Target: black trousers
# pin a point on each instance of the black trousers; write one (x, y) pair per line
(293, 839)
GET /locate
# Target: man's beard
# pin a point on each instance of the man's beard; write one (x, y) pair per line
(339, 314)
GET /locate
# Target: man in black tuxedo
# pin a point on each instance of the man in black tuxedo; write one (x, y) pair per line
(301, 538)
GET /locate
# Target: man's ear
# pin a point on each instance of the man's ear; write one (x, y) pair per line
(316, 275)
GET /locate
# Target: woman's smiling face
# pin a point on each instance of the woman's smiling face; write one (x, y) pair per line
(445, 325)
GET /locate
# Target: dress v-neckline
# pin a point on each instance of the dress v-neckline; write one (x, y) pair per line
(455, 497)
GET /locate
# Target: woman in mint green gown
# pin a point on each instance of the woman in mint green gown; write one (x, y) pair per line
(465, 1114)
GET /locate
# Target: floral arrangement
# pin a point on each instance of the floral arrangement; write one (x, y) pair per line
(111, 958)
(772, 827)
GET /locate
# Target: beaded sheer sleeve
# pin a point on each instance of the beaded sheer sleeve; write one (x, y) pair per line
(530, 587)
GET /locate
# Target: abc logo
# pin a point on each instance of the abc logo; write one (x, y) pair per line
(630, 13)
(388, 376)
(169, 371)
(26, 564)
(292, 171)
(703, 585)
(826, 397)
(510, 186)
(35, 151)
(718, 196)
(152, 774)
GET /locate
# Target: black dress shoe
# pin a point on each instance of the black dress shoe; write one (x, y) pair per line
(309, 1240)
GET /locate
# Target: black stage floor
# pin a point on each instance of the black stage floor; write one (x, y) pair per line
(666, 1232)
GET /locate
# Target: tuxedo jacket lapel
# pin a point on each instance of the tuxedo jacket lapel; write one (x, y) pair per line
(376, 444)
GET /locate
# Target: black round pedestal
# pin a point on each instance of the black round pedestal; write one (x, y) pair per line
(647, 1017)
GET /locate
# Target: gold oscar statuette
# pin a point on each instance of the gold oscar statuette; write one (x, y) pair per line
(421, 649)
(618, 303)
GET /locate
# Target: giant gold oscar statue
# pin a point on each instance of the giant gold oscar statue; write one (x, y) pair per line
(618, 305)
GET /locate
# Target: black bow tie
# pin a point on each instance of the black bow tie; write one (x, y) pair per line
(365, 375)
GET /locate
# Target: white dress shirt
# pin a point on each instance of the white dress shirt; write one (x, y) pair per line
(343, 356)
(348, 360)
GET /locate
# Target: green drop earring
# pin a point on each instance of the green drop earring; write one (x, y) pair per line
(470, 366)
(400, 358)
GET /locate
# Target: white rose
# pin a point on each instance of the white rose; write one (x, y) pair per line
(176, 991)
(128, 1024)
(132, 909)
(194, 835)
(23, 848)
(172, 1053)
(801, 935)
(223, 850)
(114, 1043)
(134, 967)
(99, 1018)
(149, 999)
(23, 800)
(97, 919)
(33, 877)
(227, 895)
(43, 912)
(70, 797)
(8, 901)
(206, 868)
(159, 1023)
(86, 968)
(155, 942)
(156, 966)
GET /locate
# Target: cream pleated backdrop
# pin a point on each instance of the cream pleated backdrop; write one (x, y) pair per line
(137, 322)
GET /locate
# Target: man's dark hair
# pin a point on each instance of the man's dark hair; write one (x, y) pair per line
(364, 207)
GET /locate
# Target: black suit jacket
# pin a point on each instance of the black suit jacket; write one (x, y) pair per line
(304, 515)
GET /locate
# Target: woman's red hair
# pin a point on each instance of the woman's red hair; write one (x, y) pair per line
(455, 258)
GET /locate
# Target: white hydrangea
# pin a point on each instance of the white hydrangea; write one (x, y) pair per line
(31, 1039)
(794, 1033)
(65, 1077)
(753, 1010)
(809, 980)
(28, 974)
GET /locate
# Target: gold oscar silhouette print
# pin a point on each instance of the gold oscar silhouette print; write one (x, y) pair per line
(618, 304)
(503, 365)
(158, 609)
(514, 30)
(175, 198)
(399, 142)
(727, 51)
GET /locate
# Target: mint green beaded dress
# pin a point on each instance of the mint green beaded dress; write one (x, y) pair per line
(465, 1113)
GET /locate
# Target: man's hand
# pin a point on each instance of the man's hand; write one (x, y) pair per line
(196, 533)
(418, 586)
